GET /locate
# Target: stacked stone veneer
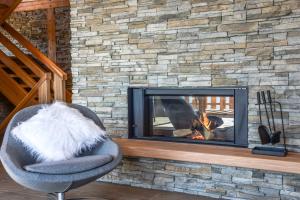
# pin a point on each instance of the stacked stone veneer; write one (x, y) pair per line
(5, 107)
(207, 180)
(187, 43)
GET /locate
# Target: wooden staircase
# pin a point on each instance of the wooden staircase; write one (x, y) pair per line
(26, 78)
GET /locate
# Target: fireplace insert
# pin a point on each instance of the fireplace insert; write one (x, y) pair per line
(194, 115)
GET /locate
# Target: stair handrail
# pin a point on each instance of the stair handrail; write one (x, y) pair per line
(52, 66)
(59, 76)
(25, 101)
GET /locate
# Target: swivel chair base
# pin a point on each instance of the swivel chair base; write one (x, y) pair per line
(61, 196)
(56, 196)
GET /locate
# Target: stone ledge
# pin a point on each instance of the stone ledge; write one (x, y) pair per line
(209, 154)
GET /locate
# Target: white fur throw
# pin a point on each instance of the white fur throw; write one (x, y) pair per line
(58, 132)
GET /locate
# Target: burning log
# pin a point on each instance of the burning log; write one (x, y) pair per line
(198, 136)
(206, 122)
(182, 132)
(206, 125)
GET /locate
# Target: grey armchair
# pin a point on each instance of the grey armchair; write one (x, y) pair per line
(15, 159)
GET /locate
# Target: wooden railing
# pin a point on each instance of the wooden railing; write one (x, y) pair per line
(59, 76)
(214, 104)
(29, 79)
(45, 82)
(37, 89)
(220, 103)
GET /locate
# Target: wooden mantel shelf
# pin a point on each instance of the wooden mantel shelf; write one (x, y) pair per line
(209, 154)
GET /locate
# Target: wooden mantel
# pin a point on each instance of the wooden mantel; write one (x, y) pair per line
(28, 5)
(209, 154)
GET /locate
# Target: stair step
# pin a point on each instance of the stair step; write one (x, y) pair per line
(36, 78)
(25, 68)
(12, 74)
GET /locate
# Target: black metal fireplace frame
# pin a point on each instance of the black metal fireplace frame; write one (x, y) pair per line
(138, 110)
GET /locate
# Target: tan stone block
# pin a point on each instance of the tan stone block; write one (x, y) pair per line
(120, 11)
(291, 25)
(105, 28)
(135, 25)
(151, 45)
(280, 43)
(187, 22)
(212, 8)
(133, 41)
(239, 27)
(211, 3)
(224, 46)
(259, 51)
(224, 81)
(271, 11)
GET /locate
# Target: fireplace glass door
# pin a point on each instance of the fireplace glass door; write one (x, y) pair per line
(192, 117)
(197, 115)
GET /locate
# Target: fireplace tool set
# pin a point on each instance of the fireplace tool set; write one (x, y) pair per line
(269, 134)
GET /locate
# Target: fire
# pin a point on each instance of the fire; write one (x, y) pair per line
(198, 136)
(205, 124)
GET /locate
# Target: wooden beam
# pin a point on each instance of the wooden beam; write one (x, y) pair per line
(59, 88)
(51, 26)
(209, 154)
(45, 90)
(7, 11)
(28, 5)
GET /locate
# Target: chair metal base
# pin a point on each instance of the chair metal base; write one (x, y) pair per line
(61, 196)
(56, 196)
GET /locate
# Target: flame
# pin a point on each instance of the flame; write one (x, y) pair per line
(198, 136)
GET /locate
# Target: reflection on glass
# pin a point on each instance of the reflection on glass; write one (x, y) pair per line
(193, 117)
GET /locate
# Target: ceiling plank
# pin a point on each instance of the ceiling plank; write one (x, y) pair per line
(29, 5)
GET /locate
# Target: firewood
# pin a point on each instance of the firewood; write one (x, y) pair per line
(182, 132)
(206, 122)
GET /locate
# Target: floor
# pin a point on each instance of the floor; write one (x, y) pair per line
(9, 190)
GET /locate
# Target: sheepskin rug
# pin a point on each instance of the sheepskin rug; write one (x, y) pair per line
(58, 132)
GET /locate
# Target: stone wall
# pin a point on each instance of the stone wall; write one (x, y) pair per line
(5, 107)
(186, 43)
(206, 180)
(33, 25)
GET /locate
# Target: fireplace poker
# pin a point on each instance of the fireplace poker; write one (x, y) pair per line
(262, 129)
(266, 109)
(275, 137)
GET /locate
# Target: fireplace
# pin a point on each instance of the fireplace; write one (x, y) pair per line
(197, 115)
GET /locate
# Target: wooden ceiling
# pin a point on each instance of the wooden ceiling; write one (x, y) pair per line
(28, 5)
